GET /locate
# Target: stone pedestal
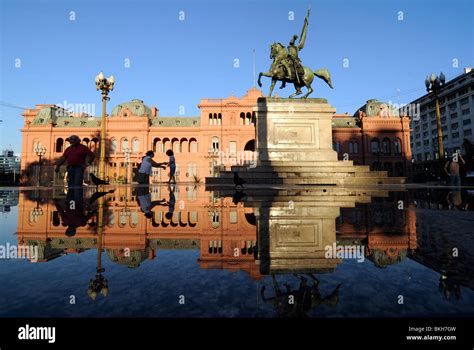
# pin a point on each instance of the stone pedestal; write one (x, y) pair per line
(294, 130)
(294, 147)
(294, 240)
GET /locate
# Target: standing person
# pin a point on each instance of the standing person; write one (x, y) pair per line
(172, 165)
(78, 157)
(144, 172)
(452, 169)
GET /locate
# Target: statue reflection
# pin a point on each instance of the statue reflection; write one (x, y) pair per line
(297, 302)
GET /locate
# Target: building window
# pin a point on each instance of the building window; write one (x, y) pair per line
(397, 146)
(336, 146)
(375, 146)
(59, 145)
(455, 135)
(135, 145)
(353, 147)
(215, 143)
(467, 132)
(124, 144)
(454, 126)
(466, 111)
(193, 146)
(386, 146)
(113, 145)
(466, 122)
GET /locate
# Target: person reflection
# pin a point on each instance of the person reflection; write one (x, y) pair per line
(171, 203)
(74, 211)
(145, 203)
(297, 302)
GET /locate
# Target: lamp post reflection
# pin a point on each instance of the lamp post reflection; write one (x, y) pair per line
(100, 284)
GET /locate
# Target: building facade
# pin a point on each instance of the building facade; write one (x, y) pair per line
(456, 100)
(221, 136)
(376, 136)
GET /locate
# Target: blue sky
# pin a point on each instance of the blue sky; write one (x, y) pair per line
(174, 63)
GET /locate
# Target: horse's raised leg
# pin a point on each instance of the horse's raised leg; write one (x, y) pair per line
(264, 74)
(271, 87)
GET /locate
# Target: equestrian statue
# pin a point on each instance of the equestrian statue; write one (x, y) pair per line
(287, 67)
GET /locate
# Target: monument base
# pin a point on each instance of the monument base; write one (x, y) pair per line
(294, 146)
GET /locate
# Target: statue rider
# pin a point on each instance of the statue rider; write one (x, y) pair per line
(293, 63)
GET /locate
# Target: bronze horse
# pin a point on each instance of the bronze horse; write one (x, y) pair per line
(278, 72)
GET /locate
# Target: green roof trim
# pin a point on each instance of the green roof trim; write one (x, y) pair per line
(176, 121)
(344, 123)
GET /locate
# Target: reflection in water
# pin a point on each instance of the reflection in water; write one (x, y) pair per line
(283, 234)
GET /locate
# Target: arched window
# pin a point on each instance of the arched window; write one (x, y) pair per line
(219, 119)
(59, 145)
(157, 145)
(183, 145)
(85, 141)
(242, 118)
(386, 146)
(193, 146)
(355, 146)
(175, 146)
(210, 118)
(166, 144)
(375, 146)
(248, 118)
(135, 145)
(397, 146)
(215, 143)
(124, 144)
(113, 144)
(336, 146)
(94, 144)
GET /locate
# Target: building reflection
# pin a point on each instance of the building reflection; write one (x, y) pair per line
(275, 233)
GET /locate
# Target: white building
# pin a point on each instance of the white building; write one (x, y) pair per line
(9, 162)
(456, 100)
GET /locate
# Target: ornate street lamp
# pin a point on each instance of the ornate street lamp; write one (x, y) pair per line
(104, 85)
(433, 85)
(40, 152)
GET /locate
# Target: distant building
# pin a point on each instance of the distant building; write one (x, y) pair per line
(376, 136)
(457, 118)
(8, 199)
(9, 163)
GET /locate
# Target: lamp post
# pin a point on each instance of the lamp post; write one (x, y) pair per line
(40, 152)
(104, 85)
(433, 85)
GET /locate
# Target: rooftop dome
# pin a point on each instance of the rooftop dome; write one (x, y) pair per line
(135, 107)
